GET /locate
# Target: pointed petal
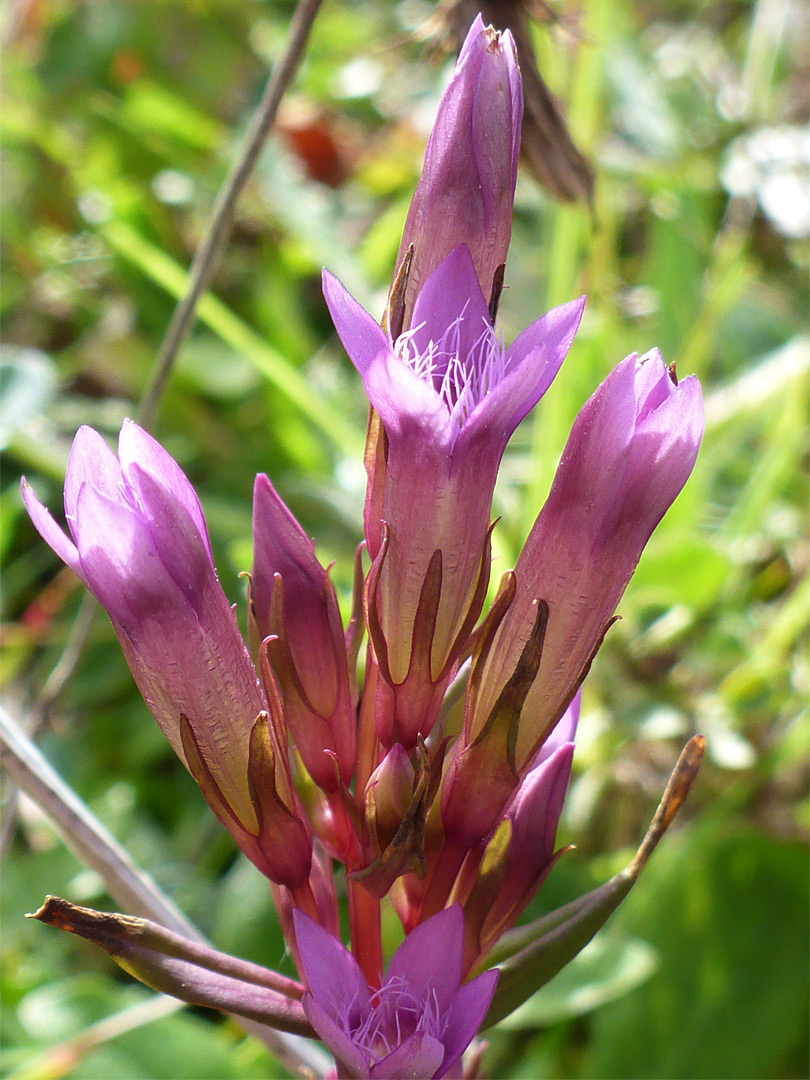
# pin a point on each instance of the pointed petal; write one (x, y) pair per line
(417, 1058)
(532, 361)
(407, 405)
(429, 959)
(674, 428)
(363, 339)
(536, 811)
(119, 560)
(282, 547)
(91, 461)
(653, 383)
(450, 292)
(465, 1016)
(473, 43)
(402, 400)
(496, 115)
(137, 447)
(50, 532)
(175, 535)
(331, 972)
(347, 1052)
(594, 460)
(467, 187)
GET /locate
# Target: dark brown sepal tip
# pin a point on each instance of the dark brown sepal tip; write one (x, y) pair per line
(495, 294)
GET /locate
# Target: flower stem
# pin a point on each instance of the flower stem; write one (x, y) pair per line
(365, 930)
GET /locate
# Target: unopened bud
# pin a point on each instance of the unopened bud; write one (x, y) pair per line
(389, 793)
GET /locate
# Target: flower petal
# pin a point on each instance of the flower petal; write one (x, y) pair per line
(465, 1016)
(354, 1060)
(137, 447)
(407, 405)
(331, 972)
(91, 461)
(451, 293)
(50, 532)
(176, 536)
(467, 186)
(282, 547)
(363, 339)
(532, 362)
(429, 959)
(119, 560)
(536, 808)
(563, 733)
(496, 115)
(417, 1058)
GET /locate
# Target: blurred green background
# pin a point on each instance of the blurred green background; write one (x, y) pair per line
(119, 122)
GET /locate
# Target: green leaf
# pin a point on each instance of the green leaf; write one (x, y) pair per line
(537, 952)
(605, 970)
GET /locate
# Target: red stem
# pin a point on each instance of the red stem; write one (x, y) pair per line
(364, 927)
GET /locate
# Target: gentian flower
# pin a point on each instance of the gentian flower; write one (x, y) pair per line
(449, 394)
(467, 186)
(417, 1024)
(502, 873)
(294, 602)
(630, 451)
(424, 822)
(140, 544)
(533, 816)
(446, 394)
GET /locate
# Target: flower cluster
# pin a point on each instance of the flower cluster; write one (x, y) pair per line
(447, 810)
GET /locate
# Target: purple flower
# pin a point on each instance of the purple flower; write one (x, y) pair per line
(467, 186)
(417, 1024)
(534, 814)
(504, 869)
(629, 453)
(449, 395)
(293, 599)
(139, 542)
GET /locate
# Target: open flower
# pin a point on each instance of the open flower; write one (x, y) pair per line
(449, 394)
(139, 542)
(417, 1024)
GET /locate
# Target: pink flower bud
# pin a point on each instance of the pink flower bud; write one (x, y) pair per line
(629, 453)
(533, 814)
(293, 600)
(139, 543)
(467, 187)
(389, 793)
